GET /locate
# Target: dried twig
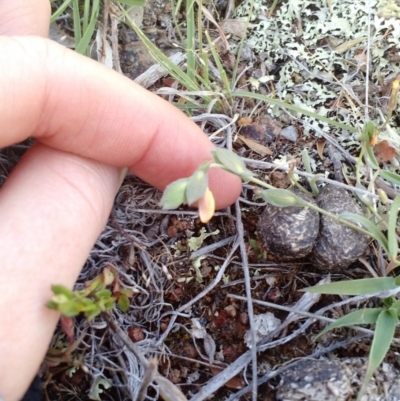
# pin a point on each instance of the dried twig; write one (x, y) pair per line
(168, 390)
(243, 253)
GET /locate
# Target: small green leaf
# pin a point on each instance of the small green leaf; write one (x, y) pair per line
(383, 336)
(96, 284)
(313, 183)
(60, 10)
(83, 44)
(60, 299)
(392, 237)
(232, 163)
(127, 292)
(362, 316)
(369, 226)
(369, 129)
(197, 185)
(355, 287)
(62, 290)
(175, 194)
(109, 304)
(86, 304)
(123, 303)
(108, 276)
(281, 198)
(69, 309)
(390, 176)
(52, 305)
(91, 314)
(371, 156)
(103, 294)
(104, 303)
(306, 161)
(254, 244)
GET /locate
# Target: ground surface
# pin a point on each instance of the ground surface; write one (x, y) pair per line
(189, 310)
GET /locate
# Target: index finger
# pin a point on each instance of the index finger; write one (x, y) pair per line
(85, 108)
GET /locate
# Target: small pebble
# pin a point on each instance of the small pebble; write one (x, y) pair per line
(290, 133)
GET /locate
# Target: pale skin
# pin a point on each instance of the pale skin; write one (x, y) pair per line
(90, 122)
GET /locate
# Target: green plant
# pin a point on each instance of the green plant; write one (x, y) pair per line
(94, 299)
(385, 318)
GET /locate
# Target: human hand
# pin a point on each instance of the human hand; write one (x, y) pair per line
(54, 205)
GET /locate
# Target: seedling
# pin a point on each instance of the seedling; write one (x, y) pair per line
(91, 301)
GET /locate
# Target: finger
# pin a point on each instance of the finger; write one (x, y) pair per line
(53, 207)
(87, 109)
(24, 17)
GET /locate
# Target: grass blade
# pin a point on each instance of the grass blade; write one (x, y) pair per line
(86, 14)
(355, 287)
(371, 156)
(60, 10)
(383, 336)
(292, 107)
(190, 38)
(390, 176)
(83, 44)
(77, 22)
(175, 71)
(220, 68)
(362, 316)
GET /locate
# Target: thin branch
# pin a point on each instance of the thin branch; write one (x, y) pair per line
(243, 253)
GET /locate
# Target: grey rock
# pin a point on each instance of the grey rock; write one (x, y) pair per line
(290, 133)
